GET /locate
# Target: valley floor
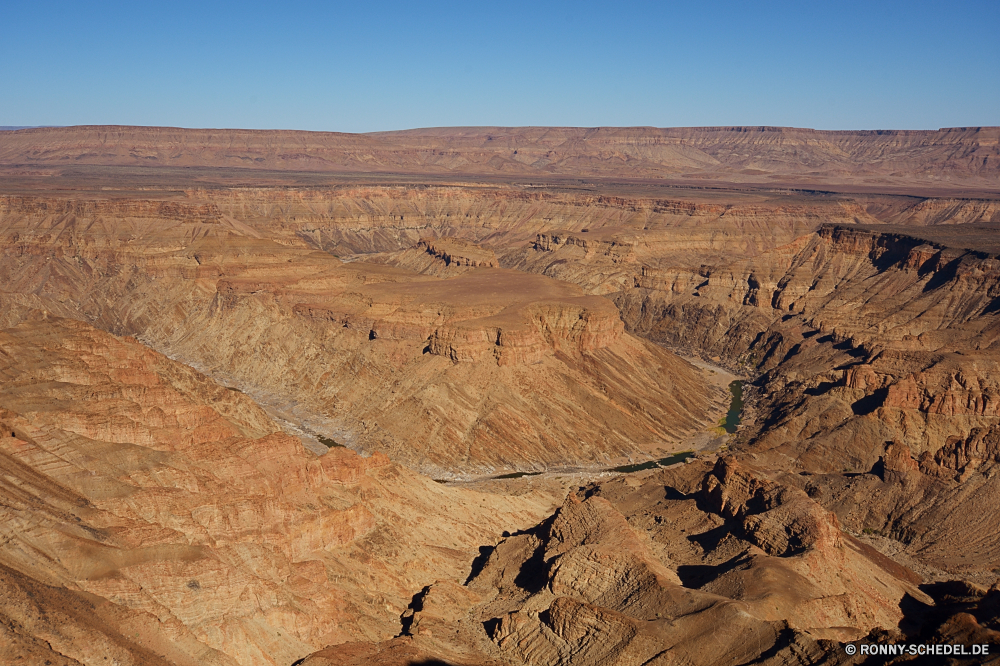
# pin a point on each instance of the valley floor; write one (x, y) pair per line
(221, 444)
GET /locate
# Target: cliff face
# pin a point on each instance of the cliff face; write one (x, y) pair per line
(506, 318)
(354, 219)
(442, 257)
(899, 332)
(875, 350)
(239, 272)
(153, 516)
(470, 371)
(700, 563)
(458, 252)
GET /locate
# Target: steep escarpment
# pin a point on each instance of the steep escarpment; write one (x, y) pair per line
(449, 302)
(701, 563)
(882, 332)
(353, 219)
(747, 151)
(455, 251)
(876, 359)
(903, 301)
(154, 517)
(447, 256)
(489, 370)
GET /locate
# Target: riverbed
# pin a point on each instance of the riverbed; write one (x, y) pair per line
(709, 440)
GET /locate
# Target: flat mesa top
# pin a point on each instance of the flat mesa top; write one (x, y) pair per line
(927, 162)
(979, 237)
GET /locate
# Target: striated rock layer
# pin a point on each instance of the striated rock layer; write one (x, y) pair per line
(698, 564)
(492, 369)
(876, 361)
(151, 516)
(888, 336)
(484, 313)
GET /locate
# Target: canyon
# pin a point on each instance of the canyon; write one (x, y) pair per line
(326, 399)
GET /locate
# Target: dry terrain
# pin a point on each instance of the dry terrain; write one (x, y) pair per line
(257, 388)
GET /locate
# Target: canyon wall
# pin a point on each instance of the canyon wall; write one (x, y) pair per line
(152, 516)
(491, 370)
(175, 305)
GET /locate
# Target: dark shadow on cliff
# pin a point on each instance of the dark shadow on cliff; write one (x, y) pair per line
(870, 403)
(672, 494)
(823, 388)
(534, 573)
(711, 539)
(993, 307)
(961, 614)
(479, 562)
(697, 575)
(944, 275)
(491, 627)
(416, 605)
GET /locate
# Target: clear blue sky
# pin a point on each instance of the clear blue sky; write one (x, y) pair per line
(358, 67)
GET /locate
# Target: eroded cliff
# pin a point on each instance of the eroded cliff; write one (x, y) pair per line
(478, 321)
(152, 516)
(489, 370)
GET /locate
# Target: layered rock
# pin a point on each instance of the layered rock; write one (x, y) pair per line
(458, 252)
(859, 335)
(886, 335)
(700, 564)
(355, 219)
(493, 369)
(441, 257)
(747, 154)
(152, 516)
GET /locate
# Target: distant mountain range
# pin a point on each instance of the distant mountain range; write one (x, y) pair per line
(759, 155)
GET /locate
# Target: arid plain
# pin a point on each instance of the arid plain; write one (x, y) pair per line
(342, 399)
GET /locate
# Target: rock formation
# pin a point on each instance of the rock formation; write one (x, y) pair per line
(491, 370)
(737, 154)
(696, 564)
(441, 257)
(258, 389)
(152, 516)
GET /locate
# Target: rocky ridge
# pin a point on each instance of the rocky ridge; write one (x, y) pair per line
(469, 371)
(854, 503)
(700, 563)
(736, 153)
(152, 516)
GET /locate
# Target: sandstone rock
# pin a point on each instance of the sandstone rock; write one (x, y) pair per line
(490, 370)
(153, 516)
(156, 517)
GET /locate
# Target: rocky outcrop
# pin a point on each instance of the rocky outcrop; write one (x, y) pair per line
(458, 252)
(615, 250)
(699, 564)
(441, 257)
(154, 517)
(859, 336)
(204, 213)
(886, 335)
(471, 372)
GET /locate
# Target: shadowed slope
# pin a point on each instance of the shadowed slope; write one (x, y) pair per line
(145, 510)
